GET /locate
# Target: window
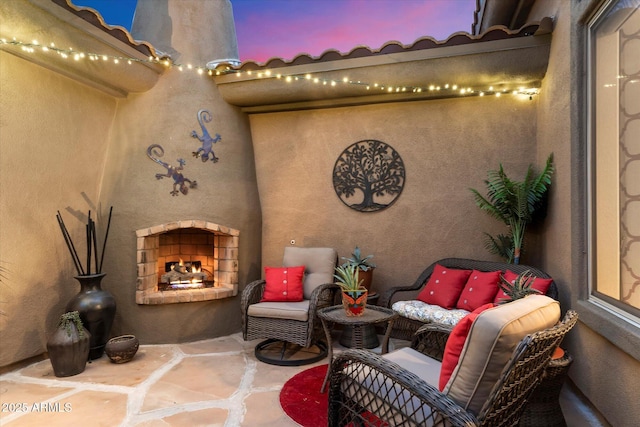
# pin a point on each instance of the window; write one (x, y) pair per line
(614, 111)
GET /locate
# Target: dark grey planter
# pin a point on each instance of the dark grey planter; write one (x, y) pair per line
(68, 352)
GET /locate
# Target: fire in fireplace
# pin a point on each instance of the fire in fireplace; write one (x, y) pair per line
(184, 275)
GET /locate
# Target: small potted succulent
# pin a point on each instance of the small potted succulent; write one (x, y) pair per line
(520, 288)
(354, 295)
(365, 266)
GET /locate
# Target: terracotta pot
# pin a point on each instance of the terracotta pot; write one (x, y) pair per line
(68, 352)
(354, 302)
(366, 277)
(122, 349)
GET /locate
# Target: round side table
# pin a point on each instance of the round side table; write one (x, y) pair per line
(371, 316)
(369, 334)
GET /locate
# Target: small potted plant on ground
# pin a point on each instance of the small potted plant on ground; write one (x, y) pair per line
(365, 267)
(354, 295)
(68, 346)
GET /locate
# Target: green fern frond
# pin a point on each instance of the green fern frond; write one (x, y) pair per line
(488, 206)
(501, 245)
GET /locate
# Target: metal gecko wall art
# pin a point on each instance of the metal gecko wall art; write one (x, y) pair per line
(181, 184)
(155, 151)
(207, 142)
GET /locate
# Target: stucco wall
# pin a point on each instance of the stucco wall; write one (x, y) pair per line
(447, 146)
(606, 375)
(226, 193)
(71, 148)
(54, 135)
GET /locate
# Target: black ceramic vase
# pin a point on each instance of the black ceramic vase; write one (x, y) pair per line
(97, 309)
(68, 350)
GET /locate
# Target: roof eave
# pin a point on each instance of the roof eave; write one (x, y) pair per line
(505, 64)
(67, 26)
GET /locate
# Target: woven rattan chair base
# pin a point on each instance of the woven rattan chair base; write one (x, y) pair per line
(543, 407)
(289, 354)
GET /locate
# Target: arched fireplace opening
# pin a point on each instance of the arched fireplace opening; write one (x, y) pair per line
(186, 261)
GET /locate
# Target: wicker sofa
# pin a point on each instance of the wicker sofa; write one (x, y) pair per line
(405, 328)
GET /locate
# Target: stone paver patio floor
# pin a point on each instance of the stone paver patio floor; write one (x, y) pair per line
(206, 383)
(215, 382)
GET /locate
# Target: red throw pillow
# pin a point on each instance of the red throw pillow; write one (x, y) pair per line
(539, 283)
(444, 286)
(455, 344)
(283, 284)
(481, 288)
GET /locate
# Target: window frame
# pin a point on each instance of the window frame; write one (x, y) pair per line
(601, 313)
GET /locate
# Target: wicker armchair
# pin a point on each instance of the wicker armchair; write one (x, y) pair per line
(291, 322)
(369, 390)
(404, 328)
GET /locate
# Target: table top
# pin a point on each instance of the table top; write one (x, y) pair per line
(372, 314)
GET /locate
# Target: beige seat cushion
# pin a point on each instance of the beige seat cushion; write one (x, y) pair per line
(298, 310)
(491, 342)
(372, 386)
(319, 265)
(415, 362)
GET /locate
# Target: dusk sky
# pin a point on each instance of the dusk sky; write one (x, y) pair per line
(286, 28)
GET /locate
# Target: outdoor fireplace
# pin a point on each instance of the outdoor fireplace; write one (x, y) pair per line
(186, 261)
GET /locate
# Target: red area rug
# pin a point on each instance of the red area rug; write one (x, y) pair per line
(301, 399)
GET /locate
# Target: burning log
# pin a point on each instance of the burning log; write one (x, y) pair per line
(185, 275)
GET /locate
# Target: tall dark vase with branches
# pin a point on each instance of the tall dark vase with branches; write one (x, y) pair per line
(96, 306)
(517, 204)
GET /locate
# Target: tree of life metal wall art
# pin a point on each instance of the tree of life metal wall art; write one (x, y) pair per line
(369, 176)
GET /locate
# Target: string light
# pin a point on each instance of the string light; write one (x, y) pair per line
(448, 88)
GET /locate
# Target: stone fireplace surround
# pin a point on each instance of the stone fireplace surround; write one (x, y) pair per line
(223, 257)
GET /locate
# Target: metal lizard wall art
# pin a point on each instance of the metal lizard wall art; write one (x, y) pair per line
(154, 151)
(207, 141)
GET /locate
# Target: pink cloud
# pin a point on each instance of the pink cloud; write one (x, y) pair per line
(287, 28)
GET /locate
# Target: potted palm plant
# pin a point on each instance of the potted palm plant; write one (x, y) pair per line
(517, 204)
(365, 266)
(354, 295)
